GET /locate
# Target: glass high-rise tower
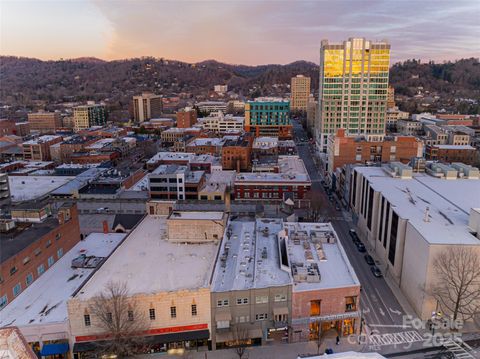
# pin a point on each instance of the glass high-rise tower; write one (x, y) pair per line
(353, 88)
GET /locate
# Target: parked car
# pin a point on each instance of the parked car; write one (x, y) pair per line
(376, 271)
(361, 247)
(337, 207)
(369, 259)
(353, 234)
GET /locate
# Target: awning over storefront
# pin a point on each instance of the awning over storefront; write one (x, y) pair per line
(151, 340)
(280, 310)
(54, 349)
(224, 337)
(255, 333)
(223, 316)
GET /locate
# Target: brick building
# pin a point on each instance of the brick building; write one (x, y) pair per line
(452, 153)
(45, 122)
(343, 150)
(237, 153)
(39, 149)
(29, 250)
(22, 129)
(186, 117)
(291, 181)
(7, 127)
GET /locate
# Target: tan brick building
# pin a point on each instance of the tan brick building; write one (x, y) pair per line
(29, 250)
(176, 312)
(237, 154)
(45, 122)
(299, 93)
(39, 149)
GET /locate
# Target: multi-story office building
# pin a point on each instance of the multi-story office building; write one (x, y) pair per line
(89, 115)
(237, 153)
(344, 150)
(175, 182)
(289, 181)
(220, 123)
(7, 127)
(186, 117)
(299, 93)
(39, 149)
(147, 106)
(205, 107)
(312, 106)
(353, 88)
(45, 122)
(407, 219)
(268, 116)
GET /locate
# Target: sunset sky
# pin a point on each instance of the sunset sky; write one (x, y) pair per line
(246, 32)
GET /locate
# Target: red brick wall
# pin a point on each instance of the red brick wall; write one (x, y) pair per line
(69, 236)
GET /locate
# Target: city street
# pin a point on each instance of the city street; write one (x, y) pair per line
(381, 310)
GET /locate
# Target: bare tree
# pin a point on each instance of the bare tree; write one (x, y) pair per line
(119, 316)
(458, 287)
(240, 336)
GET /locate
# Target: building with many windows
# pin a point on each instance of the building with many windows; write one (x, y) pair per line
(407, 219)
(353, 88)
(220, 123)
(176, 304)
(89, 115)
(290, 182)
(39, 149)
(45, 122)
(28, 250)
(146, 106)
(268, 116)
(175, 182)
(343, 150)
(299, 93)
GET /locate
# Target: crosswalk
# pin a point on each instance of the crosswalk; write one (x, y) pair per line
(398, 338)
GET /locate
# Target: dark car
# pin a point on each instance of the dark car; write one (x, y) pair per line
(369, 259)
(337, 207)
(376, 272)
(361, 247)
(353, 234)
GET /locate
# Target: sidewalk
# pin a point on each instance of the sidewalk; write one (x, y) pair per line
(268, 351)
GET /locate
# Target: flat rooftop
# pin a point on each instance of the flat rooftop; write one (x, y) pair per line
(249, 257)
(448, 201)
(16, 241)
(45, 300)
(182, 267)
(314, 248)
(192, 215)
(171, 156)
(292, 169)
(26, 188)
(42, 139)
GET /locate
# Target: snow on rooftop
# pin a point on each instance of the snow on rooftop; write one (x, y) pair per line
(454, 147)
(249, 257)
(216, 216)
(448, 202)
(42, 139)
(25, 188)
(162, 156)
(292, 169)
(141, 185)
(45, 300)
(161, 265)
(333, 265)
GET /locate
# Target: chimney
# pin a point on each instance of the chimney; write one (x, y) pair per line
(105, 227)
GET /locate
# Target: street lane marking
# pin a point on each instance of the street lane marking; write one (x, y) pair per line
(397, 312)
(411, 336)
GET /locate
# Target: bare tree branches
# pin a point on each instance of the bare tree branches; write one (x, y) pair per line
(240, 336)
(317, 205)
(457, 289)
(121, 320)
